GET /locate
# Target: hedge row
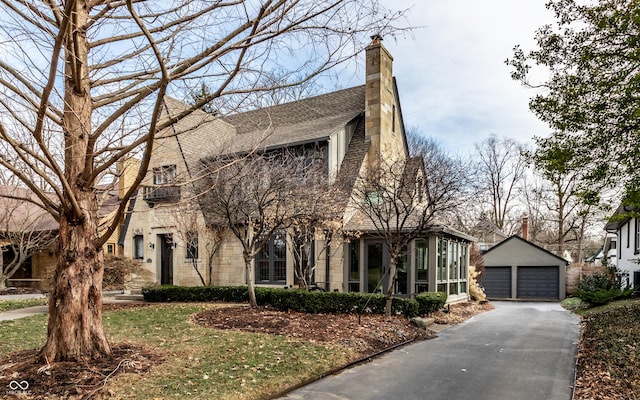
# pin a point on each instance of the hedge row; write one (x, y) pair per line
(299, 300)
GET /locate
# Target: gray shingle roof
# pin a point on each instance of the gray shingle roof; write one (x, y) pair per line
(307, 120)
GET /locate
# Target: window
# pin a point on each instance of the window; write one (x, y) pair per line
(138, 247)
(442, 265)
(192, 245)
(402, 276)
(163, 175)
(110, 249)
(393, 119)
(464, 268)
(628, 225)
(636, 246)
(354, 266)
(271, 262)
(452, 268)
(420, 190)
(422, 266)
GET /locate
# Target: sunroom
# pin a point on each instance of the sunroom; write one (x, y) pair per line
(435, 263)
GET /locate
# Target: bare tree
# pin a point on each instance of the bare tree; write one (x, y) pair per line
(83, 83)
(314, 210)
(200, 242)
(534, 193)
(501, 166)
(404, 199)
(26, 229)
(251, 197)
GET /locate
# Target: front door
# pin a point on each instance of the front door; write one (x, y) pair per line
(376, 266)
(166, 260)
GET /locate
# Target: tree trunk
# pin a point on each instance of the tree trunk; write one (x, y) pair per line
(392, 280)
(248, 265)
(3, 278)
(75, 331)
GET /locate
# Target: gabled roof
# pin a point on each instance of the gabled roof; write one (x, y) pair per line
(484, 226)
(351, 164)
(23, 216)
(620, 217)
(518, 238)
(303, 121)
(17, 215)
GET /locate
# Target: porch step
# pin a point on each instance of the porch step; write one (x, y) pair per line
(130, 297)
(423, 323)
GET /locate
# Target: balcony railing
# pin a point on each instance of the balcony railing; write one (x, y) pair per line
(160, 194)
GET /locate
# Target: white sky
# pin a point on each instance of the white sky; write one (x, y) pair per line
(452, 79)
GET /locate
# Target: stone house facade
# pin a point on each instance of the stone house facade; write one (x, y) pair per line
(352, 130)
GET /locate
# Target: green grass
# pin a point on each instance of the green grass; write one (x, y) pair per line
(572, 304)
(200, 363)
(8, 305)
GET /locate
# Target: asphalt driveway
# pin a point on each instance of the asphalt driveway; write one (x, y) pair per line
(517, 351)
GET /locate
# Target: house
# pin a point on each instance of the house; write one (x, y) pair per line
(519, 269)
(348, 130)
(29, 232)
(624, 225)
(608, 253)
(28, 244)
(487, 234)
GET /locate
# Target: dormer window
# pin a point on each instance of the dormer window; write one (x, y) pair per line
(165, 174)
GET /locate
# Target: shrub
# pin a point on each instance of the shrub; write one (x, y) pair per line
(603, 287)
(115, 270)
(429, 302)
(288, 299)
(598, 281)
(602, 297)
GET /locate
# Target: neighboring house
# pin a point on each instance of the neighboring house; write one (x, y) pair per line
(608, 254)
(346, 129)
(519, 269)
(28, 247)
(487, 234)
(24, 225)
(624, 224)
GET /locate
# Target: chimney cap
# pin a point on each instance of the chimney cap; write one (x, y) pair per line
(376, 39)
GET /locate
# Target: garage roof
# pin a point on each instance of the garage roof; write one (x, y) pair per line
(518, 238)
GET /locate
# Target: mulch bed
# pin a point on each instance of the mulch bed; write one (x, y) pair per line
(368, 336)
(22, 376)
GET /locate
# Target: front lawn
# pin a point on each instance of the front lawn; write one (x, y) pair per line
(199, 362)
(609, 352)
(8, 305)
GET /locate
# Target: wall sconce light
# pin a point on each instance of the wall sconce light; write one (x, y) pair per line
(151, 245)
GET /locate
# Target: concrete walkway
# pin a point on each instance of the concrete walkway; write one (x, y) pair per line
(108, 297)
(517, 351)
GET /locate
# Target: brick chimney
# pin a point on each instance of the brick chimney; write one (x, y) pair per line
(525, 227)
(379, 95)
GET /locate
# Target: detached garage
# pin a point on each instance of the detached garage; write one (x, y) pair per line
(518, 269)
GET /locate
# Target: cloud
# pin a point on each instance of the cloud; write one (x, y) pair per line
(453, 82)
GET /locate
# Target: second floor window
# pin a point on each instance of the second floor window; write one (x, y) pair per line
(163, 175)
